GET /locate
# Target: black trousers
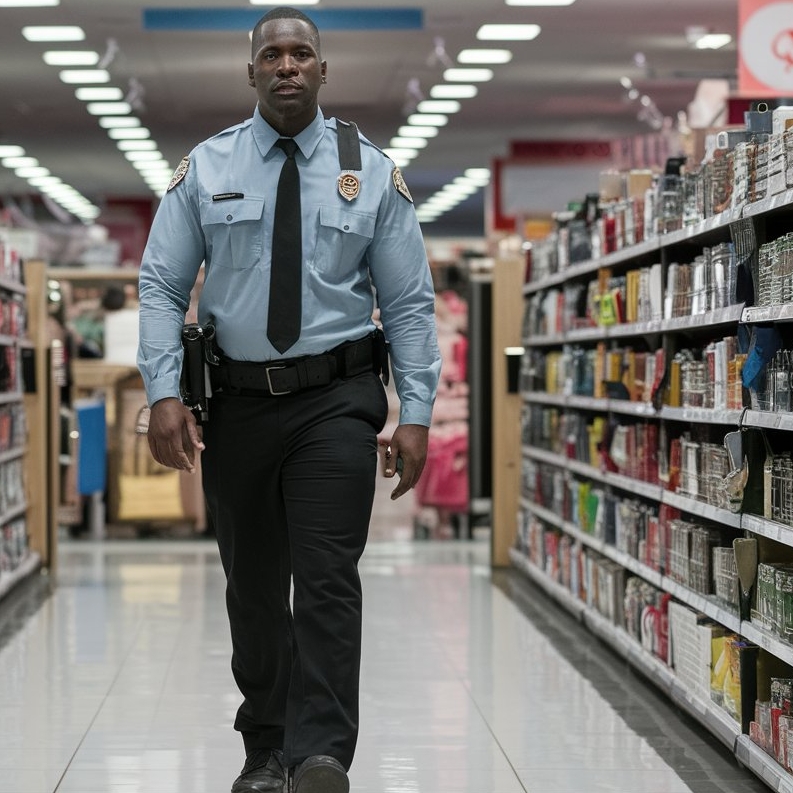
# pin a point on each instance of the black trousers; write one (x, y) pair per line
(289, 483)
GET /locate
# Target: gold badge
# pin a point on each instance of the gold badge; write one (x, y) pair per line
(399, 183)
(349, 186)
(179, 173)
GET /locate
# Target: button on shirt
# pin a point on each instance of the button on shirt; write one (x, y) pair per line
(221, 214)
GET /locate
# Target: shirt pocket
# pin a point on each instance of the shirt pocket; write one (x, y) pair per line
(342, 239)
(234, 232)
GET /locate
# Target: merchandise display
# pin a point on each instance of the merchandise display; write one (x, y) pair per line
(442, 493)
(16, 558)
(657, 457)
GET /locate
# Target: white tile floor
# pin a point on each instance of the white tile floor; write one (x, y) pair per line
(119, 682)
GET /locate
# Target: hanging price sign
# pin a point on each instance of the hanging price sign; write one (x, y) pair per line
(765, 48)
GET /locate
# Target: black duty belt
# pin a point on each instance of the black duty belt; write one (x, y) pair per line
(291, 375)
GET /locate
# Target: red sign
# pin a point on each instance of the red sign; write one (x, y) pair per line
(765, 48)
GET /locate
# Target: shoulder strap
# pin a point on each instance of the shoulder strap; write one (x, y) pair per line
(349, 146)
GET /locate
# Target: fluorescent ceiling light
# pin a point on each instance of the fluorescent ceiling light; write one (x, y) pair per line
(136, 145)
(65, 193)
(101, 94)
(28, 3)
(70, 58)
(484, 56)
(540, 2)
(84, 76)
(152, 165)
(108, 108)
(140, 156)
(128, 133)
(481, 175)
(119, 123)
(459, 190)
(428, 119)
(31, 170)
(44, 181)
(19, 162)
(401, 151)
(468, 75)
(465, 188)
(417, 132)
(408, 143)
(400, 162)
(438, 106)
(713, 41)
(441, 200)
(453, 91)
(508, 32)
(8, 150)
(439, 207)
(292, 2)
(53, 33)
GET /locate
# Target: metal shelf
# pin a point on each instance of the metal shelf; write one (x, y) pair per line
(9, 579)
(702, 415)
(702, 509)
(761, 763)
(768, 641)
(717, 721)
(10, 285)
(767, 420)
(779, 532)
(778, 201)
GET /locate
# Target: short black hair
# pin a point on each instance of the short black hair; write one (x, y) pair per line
(284, 12)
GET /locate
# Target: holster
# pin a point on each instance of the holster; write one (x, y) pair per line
(200, 352)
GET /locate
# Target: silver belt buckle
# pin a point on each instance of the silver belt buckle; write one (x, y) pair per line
(273, 392)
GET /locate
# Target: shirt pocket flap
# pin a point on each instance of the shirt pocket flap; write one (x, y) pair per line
(232, 210)
(346, 221)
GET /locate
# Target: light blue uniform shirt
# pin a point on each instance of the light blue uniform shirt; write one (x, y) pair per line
(221, 214)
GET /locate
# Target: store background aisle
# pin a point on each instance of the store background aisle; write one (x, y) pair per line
(120, 682)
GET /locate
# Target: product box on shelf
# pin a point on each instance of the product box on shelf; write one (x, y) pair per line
(691, 638)
(734, 679)
(771, 726)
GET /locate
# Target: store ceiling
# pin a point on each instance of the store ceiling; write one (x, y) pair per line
(193, 83)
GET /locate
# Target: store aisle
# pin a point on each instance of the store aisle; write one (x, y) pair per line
(120, 683)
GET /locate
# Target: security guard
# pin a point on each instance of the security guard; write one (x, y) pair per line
(289, 453)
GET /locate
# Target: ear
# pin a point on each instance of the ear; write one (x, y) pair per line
(324, 71)
(251, 81)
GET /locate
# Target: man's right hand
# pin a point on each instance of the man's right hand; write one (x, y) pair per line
(174, 437)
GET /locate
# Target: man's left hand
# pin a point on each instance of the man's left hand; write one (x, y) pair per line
(407, 451)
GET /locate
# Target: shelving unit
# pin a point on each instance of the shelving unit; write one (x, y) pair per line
(768, 218)
(27, 526)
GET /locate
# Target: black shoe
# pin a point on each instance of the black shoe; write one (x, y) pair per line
(321, 774)
(262, 772)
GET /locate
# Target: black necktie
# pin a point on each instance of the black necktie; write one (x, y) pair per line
(284, 313)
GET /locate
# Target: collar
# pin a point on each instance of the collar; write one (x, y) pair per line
(307, 140)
